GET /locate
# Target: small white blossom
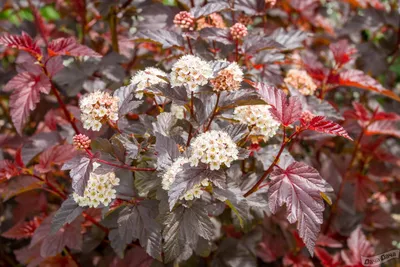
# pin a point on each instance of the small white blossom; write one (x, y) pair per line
(178, 111)
(191, 71)
(214, 148)
(300, 80)
(99, 190)
(259, 118)
(169, 177)
(97, 108)
(144, 79)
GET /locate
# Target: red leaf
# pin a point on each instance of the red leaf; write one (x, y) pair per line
(8, 169)
(384, 128)
(69, 47)
(23, 229)
(299, 187)
(342, 52)
(364, 189)
(26, 94)
(55, 155)
(322, 125)
(327, 260)
(297, 260)
(284, 109)
(359, 79)
(359, 246)
(326, 241)
(22, 42)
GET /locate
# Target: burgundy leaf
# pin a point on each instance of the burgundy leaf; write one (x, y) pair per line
(297, 260)
(359, 79)
(327, 260)
(384, 128)
(70, 47)
(364, 189)
(26, 94)
(342, 52)
(299, 187)
(22, 42)
(8, 169)
(55, 155)
(81, 167)
(284, 109)
(322, 125)
(326, 241)
(22, 229)
(359, 246)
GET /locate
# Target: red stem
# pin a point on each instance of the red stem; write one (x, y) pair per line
(189, 44)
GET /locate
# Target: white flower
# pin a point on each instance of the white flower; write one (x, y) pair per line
(97, 108)
(191, 71)
(144, 79)
(228, 79)
(169, 177)
(214, 148)
(259, 118)
(300, 80)
(99, 190)
(178, 111)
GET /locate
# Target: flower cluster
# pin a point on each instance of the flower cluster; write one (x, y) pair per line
(81, 141)
(214, 20)
(191, 71)
(228, 79)
(97, 108)
(99, 190)
(300, 80)
(214, 148)
(258, 118)
(169, 177)
(145, 78)
(178, 111)
(238, 31)
(184, 20)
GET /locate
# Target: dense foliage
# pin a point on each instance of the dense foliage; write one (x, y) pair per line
(230, 133)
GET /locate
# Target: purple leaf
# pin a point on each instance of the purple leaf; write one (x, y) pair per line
(81, 167)
(299, 187)
(23, 42)
(69, 47)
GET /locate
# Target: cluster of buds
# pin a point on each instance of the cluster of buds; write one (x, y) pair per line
(300, 80)
(238, 31)
(228, 79)
(214, 20)
(81, 141)
(184, 20)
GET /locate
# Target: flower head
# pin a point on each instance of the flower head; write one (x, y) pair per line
(169, 177)
(144, 79)
(97, 108)
(214, 20)
(259, 118)
(191, 71)
(99, 190)
(215, 148)
(81, 141)
(228, 79)
(184, 20)
(178, 111)
(238, 31)
(300, 80)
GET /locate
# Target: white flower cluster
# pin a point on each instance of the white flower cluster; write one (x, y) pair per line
(99, 190)
(214, 148)
(143, 79)
(169, 177)
(228, 79)
(97, 108)
(190, 71)
(259, 118)
(178, 111)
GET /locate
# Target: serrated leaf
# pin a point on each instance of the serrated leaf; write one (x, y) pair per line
(342, 52)
(236, 131)
(20, 184)
(22, 42)
(359, 247)
(116, 242)
(240, 98)
(250, 7)
(164, 37)
(23, 229)
(146, 182)
(126, 103)
(67, 213)
(54, 155)
(131, 146)
(81, 167)
(167, 150)
(216, 34)
(164, 123)
(290, 40)
(256, 43)
(384, 128)
(139, 222)
(284, 109)
(201, 11)
(26, 89)
(322, 125)
(69, 47)
(322, 107)
(178, 94)
(299, 186)
(359, 79)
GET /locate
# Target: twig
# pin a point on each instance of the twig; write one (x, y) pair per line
(113, 27)
(214, 112)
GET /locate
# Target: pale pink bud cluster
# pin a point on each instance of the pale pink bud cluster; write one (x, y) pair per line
(184, 20)
(238, 31)
(300, 80)
(81, 141)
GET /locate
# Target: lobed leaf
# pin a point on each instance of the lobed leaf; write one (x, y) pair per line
(67, 213)
(54, 155)
(22, 42)
(81, 167)
(322, 125)
(164, 37)
(299, 186)
(201, 11)
(69, 47)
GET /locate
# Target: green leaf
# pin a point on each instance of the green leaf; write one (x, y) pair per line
(49, 13)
